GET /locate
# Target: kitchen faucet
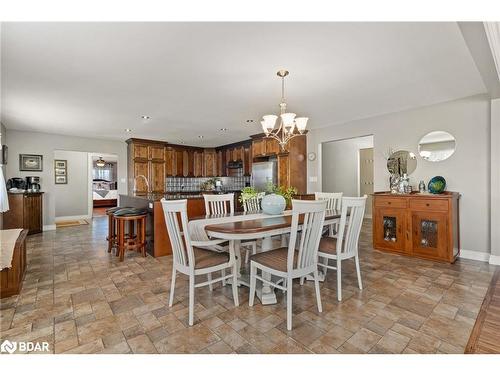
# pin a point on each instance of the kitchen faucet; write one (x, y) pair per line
(145, 180)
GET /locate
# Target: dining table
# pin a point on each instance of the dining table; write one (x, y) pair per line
(271, 230)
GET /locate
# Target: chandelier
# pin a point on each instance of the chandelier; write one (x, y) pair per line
(100, 163)
(289, 125)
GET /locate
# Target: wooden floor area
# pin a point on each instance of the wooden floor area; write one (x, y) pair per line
(485, 336)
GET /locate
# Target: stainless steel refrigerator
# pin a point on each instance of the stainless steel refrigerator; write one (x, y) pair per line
(263, 173)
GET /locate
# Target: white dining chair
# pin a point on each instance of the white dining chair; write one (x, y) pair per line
(222, 204)
(219, 204)
(334, 202)
(191, 259)
(299, 259)
(345, 245)
(252, 205)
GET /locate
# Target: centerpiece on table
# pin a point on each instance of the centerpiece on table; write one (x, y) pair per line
(277, 199)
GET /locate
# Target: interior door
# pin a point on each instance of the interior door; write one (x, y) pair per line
(366, 177)
(429, 232)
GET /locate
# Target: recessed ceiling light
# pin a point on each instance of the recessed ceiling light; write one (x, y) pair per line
(223, 129)
(146, 117)
(128, 130)
(200, 136)
(182, 142)
(249, 121)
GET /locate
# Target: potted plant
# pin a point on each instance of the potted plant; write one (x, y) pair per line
(247, 193)
(277, 199)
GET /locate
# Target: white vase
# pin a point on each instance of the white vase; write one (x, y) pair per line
(273, 204)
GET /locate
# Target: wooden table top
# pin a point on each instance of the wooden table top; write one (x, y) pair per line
(261, 225)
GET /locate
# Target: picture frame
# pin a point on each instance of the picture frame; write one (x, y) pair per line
(30, 163)
(60, 172)
(61, 180)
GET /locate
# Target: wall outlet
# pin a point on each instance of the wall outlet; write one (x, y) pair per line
(313, 179)
(150, 205)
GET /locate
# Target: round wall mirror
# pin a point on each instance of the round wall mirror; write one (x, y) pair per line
(436, 146)
(401, 162)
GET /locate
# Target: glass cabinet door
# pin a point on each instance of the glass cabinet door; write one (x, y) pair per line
(429, 234)
(390, 229)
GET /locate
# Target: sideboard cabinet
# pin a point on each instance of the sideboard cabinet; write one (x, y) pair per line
(26, 211)
(420, 225)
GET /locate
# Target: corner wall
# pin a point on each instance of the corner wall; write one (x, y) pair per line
(467, 171)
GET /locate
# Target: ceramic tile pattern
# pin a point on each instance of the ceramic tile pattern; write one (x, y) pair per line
(80, 299)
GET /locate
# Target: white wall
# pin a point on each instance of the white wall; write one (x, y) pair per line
(466, 171)
(21, 142)
(340, 164)
(71, 198)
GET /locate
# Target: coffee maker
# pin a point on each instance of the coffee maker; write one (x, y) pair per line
(33, 183)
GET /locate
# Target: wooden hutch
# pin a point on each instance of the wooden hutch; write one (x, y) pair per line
(420, 225)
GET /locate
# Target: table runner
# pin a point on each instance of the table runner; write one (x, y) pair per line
(8, 238)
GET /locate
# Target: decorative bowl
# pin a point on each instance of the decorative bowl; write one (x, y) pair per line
(273, 204)
(436, 185)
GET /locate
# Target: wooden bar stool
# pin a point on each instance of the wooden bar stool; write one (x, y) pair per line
(135, 239)
(111, 238)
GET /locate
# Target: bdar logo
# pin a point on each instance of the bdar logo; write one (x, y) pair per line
(8, 347)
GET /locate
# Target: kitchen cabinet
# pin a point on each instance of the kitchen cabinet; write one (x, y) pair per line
(198, 164)
(247, 160)
(221, 170)
(209, 161)
(26, 211)
(170, 162)
(146, 158)
(272, 146)
(420, 225)
(258, 147)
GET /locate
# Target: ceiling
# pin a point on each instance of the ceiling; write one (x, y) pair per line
(97, 79)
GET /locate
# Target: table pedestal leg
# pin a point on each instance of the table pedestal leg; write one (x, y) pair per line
(265, 292)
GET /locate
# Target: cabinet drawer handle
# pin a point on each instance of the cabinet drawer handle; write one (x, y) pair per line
(388, 202)
(427, 204)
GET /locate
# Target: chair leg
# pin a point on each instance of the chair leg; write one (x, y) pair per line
(191, 299)
(209, 278)
(316, 287)
(325, 262)
(358, 271)
(223, 274)
(253, 283)
(289, 304)
(172, 288)
(247, 256)
(235, 285)
(339, 279)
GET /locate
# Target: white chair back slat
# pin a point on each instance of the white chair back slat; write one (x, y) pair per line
(181, 247)
(350, 226)
(217, 204)
(314, 217)
(253, 204)
(334, 199)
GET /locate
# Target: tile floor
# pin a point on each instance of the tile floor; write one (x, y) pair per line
(82, 300)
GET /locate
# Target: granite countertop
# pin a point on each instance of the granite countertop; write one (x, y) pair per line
(176, 195)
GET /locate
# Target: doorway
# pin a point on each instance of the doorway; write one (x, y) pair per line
(103, 183)
(347, 167)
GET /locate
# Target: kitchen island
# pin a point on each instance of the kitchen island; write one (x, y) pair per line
(158, 241)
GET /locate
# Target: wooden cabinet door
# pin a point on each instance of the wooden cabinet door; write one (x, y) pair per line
(141, 168)
(156, 153)
(272, 146)
(430, 234)
(157, 177)
(170, 162)
(247, 161)
(198, 164)
(390, 229)
(283, 170)
(220, 167)
(32, 207)
(258, 147)
(140, 151)
(209, 163)
(179, 163)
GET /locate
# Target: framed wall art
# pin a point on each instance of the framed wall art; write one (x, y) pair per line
(30, 163)
(61, 171)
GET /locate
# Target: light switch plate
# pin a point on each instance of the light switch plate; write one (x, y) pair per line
(150, 205)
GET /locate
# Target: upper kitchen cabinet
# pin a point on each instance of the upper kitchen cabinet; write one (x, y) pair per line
(235, 156)
(146, 162)
(263, 146)
(210, 163)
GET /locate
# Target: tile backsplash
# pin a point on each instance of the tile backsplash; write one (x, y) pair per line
(177, 184)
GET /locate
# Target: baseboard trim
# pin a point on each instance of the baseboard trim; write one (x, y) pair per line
(495, 260)
(49, 227)
(474, 255)
(76, 217)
